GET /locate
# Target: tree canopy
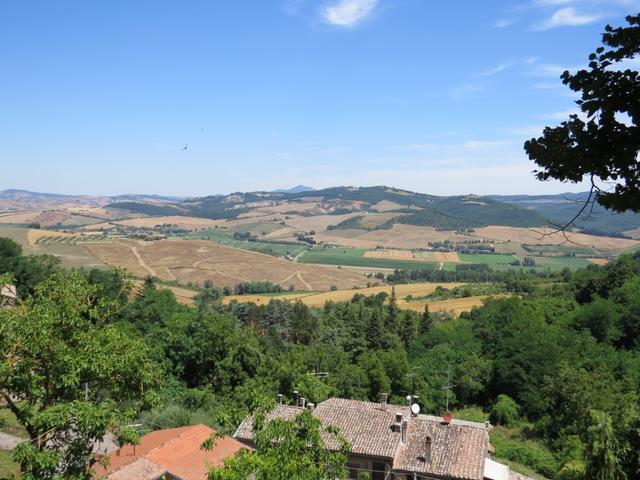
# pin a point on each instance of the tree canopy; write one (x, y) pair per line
(602, 143)
(70, 376)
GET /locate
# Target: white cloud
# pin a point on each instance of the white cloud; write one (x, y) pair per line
(495, 70)
(566, 17)
(503, 23)
(550, 70)
(346, 13)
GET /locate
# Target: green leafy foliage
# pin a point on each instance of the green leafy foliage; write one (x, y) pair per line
(69, 376)
(287, 449)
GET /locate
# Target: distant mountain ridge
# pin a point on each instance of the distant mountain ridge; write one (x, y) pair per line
(401, 206)
(296, 189)
(561, 208)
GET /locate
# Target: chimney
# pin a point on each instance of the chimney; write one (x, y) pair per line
(383, 401)
(302, 402)
(296, 397)
(403, 431)
(311, 405)
(280, 399)
(427, 454)
(408, 400)
(446, 418)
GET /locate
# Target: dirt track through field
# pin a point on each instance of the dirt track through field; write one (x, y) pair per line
(196, 261)
(151, 271)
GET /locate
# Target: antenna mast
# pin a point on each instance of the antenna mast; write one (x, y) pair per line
(449, 386)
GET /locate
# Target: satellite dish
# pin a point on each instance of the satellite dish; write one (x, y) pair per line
(415, 409)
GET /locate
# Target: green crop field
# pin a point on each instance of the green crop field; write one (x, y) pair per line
(353, 257)
(497, 261)
(225, 237)
(558, 263)
(503, 262)
(561, 249)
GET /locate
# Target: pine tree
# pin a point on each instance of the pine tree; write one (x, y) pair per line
(408, 330)
(374, 330)
(426, 322)
(391, 322)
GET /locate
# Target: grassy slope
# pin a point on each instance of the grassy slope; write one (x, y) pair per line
(506, 441)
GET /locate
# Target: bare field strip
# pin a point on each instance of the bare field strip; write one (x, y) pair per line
(198, 260)
(451, 257)
(598, 261)
(317, 223)
(635, 233)
(535, 236)
(390, 254)
(35, 234)
(292, 207)
(387, 206)
(411, 237)
(319, 299)
(375, 220)
(399, 236)
(454, 306)
(189, 223)
(18, 218)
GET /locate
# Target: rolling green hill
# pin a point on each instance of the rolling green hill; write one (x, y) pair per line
(446, 213)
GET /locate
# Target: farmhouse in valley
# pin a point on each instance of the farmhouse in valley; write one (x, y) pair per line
(171, 454)
(395, 442)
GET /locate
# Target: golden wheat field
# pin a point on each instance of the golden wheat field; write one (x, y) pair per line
(598, 261)
(18, 218)
(189, 223)
(319, 299)
(454, 306)
(199, 260)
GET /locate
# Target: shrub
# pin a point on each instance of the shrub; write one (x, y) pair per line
(504, 411)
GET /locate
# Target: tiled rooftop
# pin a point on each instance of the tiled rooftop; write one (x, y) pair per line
(458, 449)
(175, 450)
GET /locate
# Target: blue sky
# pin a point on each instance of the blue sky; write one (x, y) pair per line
(437, 97)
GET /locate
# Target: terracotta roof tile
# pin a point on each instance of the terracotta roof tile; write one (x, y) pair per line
(175, 450)
(458, 450)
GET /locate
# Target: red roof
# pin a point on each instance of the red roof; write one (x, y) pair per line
(175, 450)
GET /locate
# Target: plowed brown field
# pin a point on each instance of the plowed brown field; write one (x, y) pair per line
(198, 260)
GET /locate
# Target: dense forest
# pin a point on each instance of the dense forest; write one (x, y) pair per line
(556, 365)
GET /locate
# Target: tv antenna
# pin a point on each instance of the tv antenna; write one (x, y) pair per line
(449, 386)
(411, 375)
(316, 371)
